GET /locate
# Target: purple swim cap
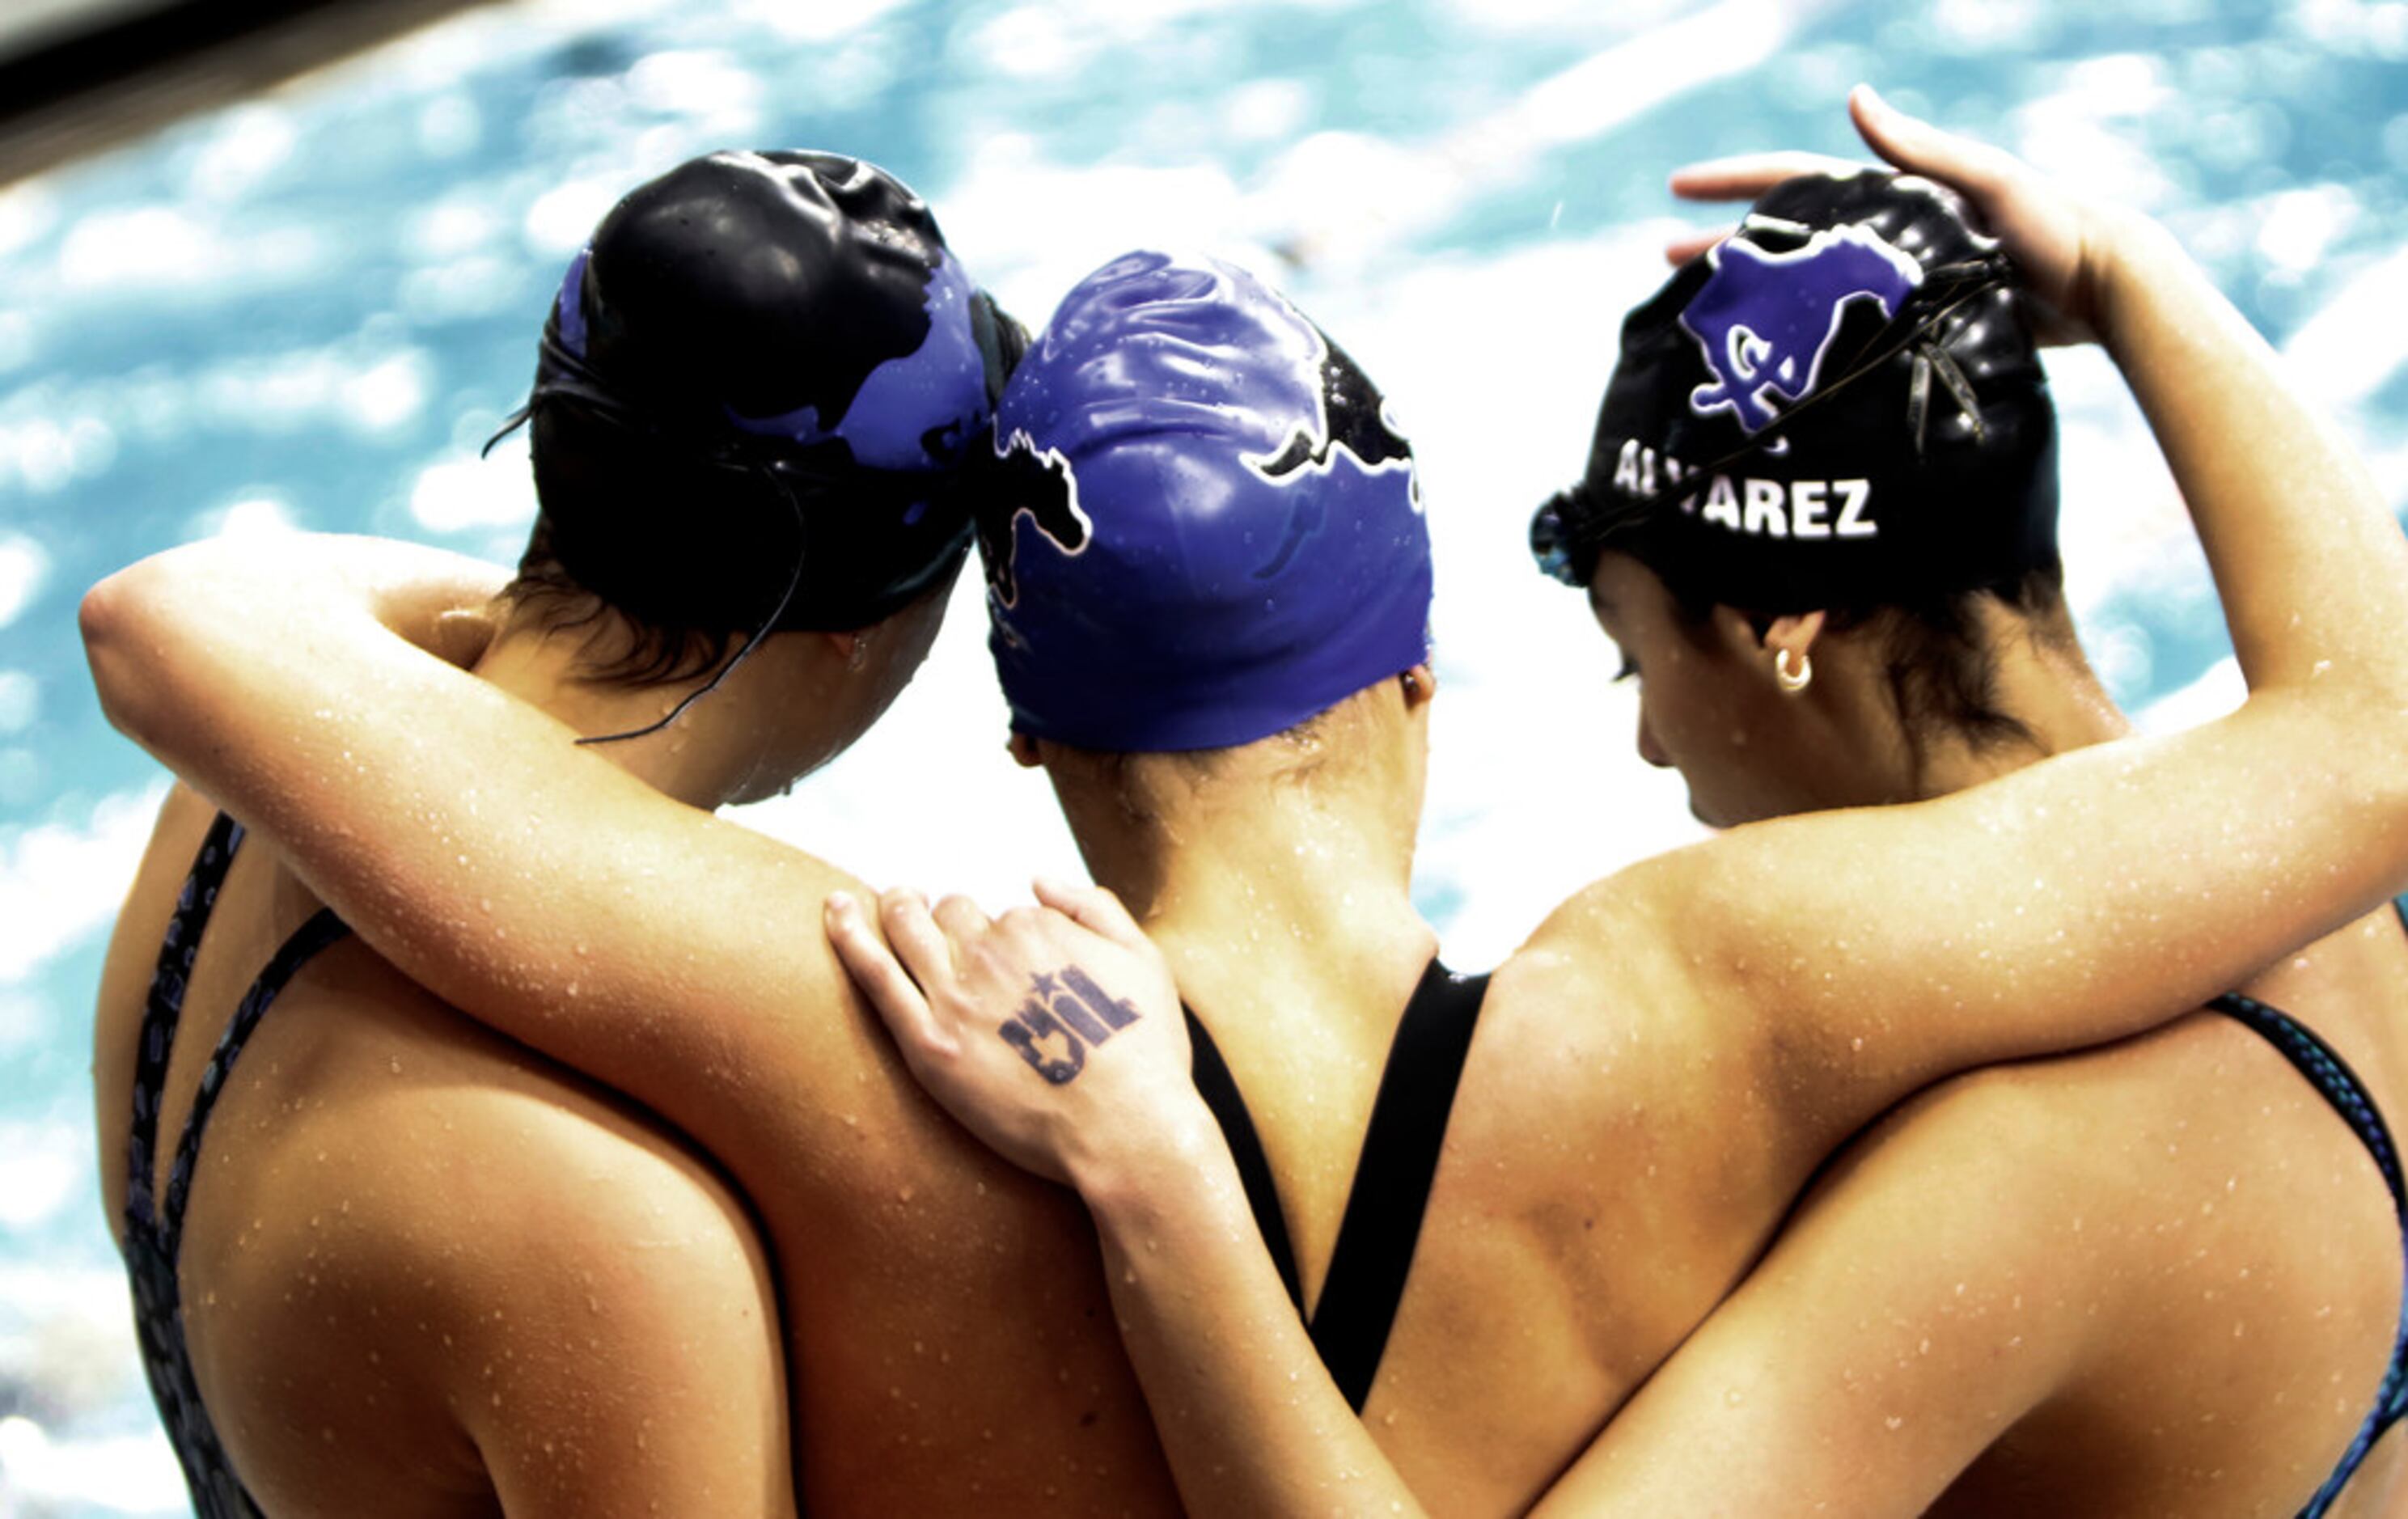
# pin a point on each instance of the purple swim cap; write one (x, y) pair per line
(1205, 529)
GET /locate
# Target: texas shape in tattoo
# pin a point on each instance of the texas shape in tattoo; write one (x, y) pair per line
(1085, 1011)
(1031, 1033)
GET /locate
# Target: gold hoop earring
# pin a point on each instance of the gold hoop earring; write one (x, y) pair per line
(1792, 680)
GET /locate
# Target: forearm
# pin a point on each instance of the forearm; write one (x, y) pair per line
(1249, 1418)
(171, 633)
(2311, 564)
(465, 836)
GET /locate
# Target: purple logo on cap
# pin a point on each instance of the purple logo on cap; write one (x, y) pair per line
(1764, 320)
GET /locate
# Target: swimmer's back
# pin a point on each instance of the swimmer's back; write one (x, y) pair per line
(1617, 1161)
(424, 1271)
(2216, 1250)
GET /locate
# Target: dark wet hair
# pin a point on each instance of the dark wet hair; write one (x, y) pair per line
(1942, 673)
(758, 394)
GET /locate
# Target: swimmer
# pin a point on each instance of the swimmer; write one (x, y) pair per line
(1208, 579)
(411, 1268)
(2162, 1277)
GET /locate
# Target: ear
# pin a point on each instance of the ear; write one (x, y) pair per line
(1024, 749)
(463, 634)
(1793, 637)
(1420, 684)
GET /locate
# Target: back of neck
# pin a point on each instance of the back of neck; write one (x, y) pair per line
(1263, 888)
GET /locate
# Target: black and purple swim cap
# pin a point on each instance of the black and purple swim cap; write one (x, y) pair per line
(1201, 527)
(1839, 406)
(771, 371)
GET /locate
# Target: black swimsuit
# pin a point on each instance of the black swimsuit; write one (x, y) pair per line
(153, 1235)
(1384, 1207)
(1374, 1251)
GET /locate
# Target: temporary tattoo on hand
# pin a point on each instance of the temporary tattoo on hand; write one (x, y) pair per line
(1084, 1011)
(1031, 1033)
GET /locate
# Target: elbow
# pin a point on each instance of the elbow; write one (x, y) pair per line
(118, 621)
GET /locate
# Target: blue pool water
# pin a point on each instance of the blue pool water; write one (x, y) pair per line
(309, 308)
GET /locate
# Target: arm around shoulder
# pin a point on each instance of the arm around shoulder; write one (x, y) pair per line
(157, 684)
(2105, 891)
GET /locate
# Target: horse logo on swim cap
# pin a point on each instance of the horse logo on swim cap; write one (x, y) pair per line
(1764, 320)
(1204, 526)
(1837, 407)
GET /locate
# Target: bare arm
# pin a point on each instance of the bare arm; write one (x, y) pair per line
(1867, 953)
(1250, 1420)
(527, 881)
(1876, 1352)
(642, 1374)
(2093, 894)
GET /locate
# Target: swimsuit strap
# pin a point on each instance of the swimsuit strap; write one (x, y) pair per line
(1219, 1089)
(1384, 1207)
(164, 1006)
(1390, 1193)
(155, 1234)
(323, 929)
(2330, 1075)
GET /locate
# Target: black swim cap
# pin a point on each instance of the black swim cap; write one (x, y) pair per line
(1839, 406)
(757, 388)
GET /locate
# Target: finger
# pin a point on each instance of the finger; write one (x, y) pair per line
(1750, 174)
(1690, 245)
(917, 941)
(963, 920)
(880, 977)
(1917, 145)
(1093, 908)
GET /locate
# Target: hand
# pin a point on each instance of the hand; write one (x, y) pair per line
(1053, 1033)
(2062, 244)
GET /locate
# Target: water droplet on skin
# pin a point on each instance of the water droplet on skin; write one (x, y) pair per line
(1895, 1421)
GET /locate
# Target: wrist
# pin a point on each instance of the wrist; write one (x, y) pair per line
(2125, 255)
(1161, 1168)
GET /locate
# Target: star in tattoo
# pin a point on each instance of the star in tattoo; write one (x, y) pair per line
(1042, 985)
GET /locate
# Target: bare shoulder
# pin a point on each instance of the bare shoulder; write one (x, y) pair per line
(628, 1315)
(2188, 1253)
(459, 1266)
(1612, 1006)
(2185, 1188)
